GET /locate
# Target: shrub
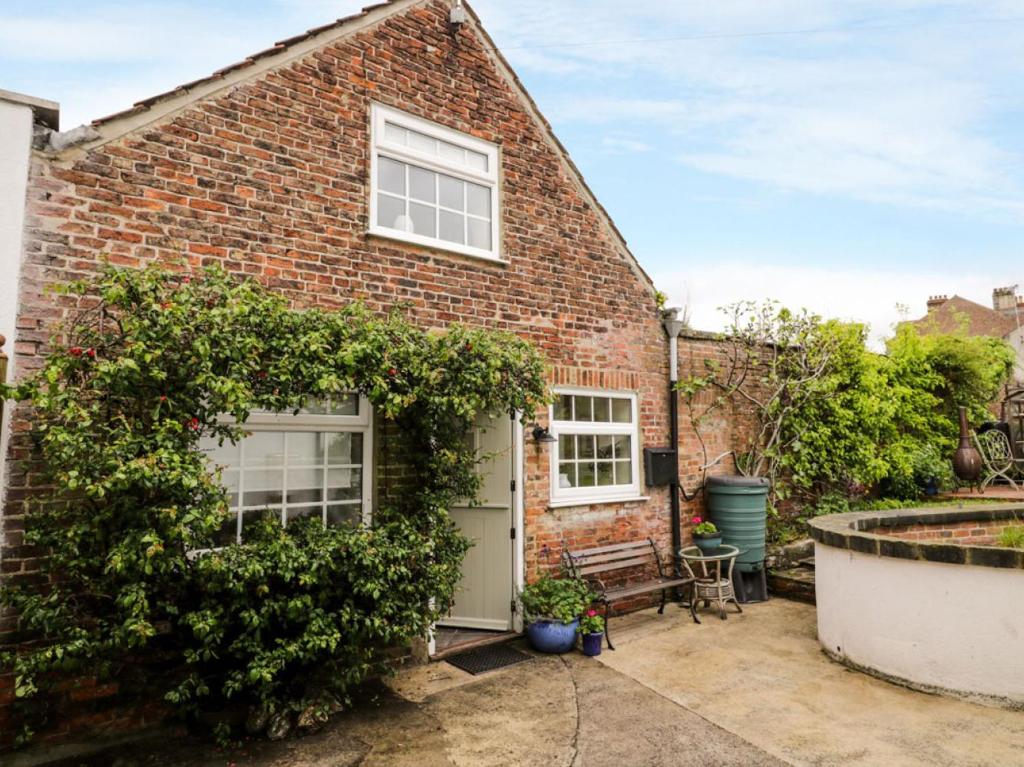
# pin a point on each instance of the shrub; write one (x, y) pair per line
(560, 599)
(151, 363)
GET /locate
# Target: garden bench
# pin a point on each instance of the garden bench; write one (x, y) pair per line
(588, 564)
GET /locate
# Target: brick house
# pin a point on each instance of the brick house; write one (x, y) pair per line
(390, 157)
(960, 315)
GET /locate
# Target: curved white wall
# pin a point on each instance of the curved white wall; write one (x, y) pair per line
(955, 627)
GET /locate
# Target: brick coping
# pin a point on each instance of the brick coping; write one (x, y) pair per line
(863, 531)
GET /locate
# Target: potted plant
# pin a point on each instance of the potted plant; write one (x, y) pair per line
(552, 607)
(591, 632)
(706, 536)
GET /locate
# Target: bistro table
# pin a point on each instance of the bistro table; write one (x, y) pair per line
(709, 584)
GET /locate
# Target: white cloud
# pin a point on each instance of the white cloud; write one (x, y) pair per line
(887, 102)
(623, 145)
(868, 295)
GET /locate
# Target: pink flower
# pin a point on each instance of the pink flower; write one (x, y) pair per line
(75, 351)
(591, 613)
(193, 424)
(696, 520)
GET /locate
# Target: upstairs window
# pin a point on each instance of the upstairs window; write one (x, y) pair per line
(598, 446)
(433, 186)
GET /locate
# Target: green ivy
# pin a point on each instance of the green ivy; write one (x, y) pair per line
(155, 359)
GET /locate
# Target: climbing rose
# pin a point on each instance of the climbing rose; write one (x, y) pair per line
(90, 352)
(193, 424)
(75, 351)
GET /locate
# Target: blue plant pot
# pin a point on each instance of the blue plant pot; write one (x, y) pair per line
(552, 636)
(708, 544)
(592, 644)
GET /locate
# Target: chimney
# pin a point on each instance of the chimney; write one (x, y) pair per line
(1005, 300)
(934, 302)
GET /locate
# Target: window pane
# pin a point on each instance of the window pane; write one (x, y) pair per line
(229, 479)
(602, 411)
(605, 475)
(563, 407)
(479, 233)
(391, 175)
(305, 485)
(344, 448)
(476, 160)
(604, 446)
(390, 212)
(478, 200)
(395, 133)
(264, 448)
(422, 184)
(622, 446)
(263, 487)
(452, 192)
(585, 443)
(227, 454)
(452, 153)
(586, 475)
(344, 484)
(228, 532)
(622, 410)
(423, 143)
(297, 512)
(423, 221)
(566, 446)
(345, 514)
(305, 448)
(452, 227)
(584, 408)
(567, 475)
(342, 404)
(623, 473)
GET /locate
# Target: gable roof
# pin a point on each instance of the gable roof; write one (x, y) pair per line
(283, 53)
(958, 314)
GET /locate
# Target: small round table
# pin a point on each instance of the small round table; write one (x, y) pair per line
(707, 585)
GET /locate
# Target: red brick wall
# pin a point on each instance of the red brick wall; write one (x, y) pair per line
(270, 179)
(971, 533)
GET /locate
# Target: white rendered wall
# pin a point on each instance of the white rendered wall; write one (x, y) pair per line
(15, 148)
(955, 627)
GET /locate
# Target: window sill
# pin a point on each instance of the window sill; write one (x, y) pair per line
(436, 246)
(565, 504)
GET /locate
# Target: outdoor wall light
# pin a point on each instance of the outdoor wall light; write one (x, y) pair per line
(541, 434)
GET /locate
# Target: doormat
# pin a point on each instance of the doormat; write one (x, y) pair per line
(487, 658)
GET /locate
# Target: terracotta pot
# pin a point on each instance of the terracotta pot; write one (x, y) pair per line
(966, 459)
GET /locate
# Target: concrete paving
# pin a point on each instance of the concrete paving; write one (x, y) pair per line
(763, 677)
(752, 690)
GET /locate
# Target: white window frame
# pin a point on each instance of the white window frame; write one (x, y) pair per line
(565, 496)
(361, 423)
(380, 145)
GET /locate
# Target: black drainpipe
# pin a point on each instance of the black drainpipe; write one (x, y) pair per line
(673, 325)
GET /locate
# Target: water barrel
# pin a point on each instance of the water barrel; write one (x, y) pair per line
(738, 507)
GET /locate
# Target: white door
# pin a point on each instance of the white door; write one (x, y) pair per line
(483, 599)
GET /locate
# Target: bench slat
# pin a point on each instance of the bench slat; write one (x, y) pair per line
(611, 547)
(606, 566)
(643, 588)
(610, 557)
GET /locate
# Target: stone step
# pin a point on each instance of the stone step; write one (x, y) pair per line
(793, 583)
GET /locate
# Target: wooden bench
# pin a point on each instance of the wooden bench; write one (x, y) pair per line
(589, 564)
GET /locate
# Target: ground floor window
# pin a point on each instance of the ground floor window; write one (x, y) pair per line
(313, 464)
(598, 446)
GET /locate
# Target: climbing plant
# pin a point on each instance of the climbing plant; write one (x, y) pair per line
(292, 619)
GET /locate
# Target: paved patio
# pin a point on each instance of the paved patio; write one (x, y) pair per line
(752, 690)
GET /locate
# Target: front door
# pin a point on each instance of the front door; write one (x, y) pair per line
(483, 599)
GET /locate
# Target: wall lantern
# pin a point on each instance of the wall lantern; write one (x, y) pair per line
(541, 435)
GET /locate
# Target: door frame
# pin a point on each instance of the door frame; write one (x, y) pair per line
(518, 525)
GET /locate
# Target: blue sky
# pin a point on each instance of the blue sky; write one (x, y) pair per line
(846, 156)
